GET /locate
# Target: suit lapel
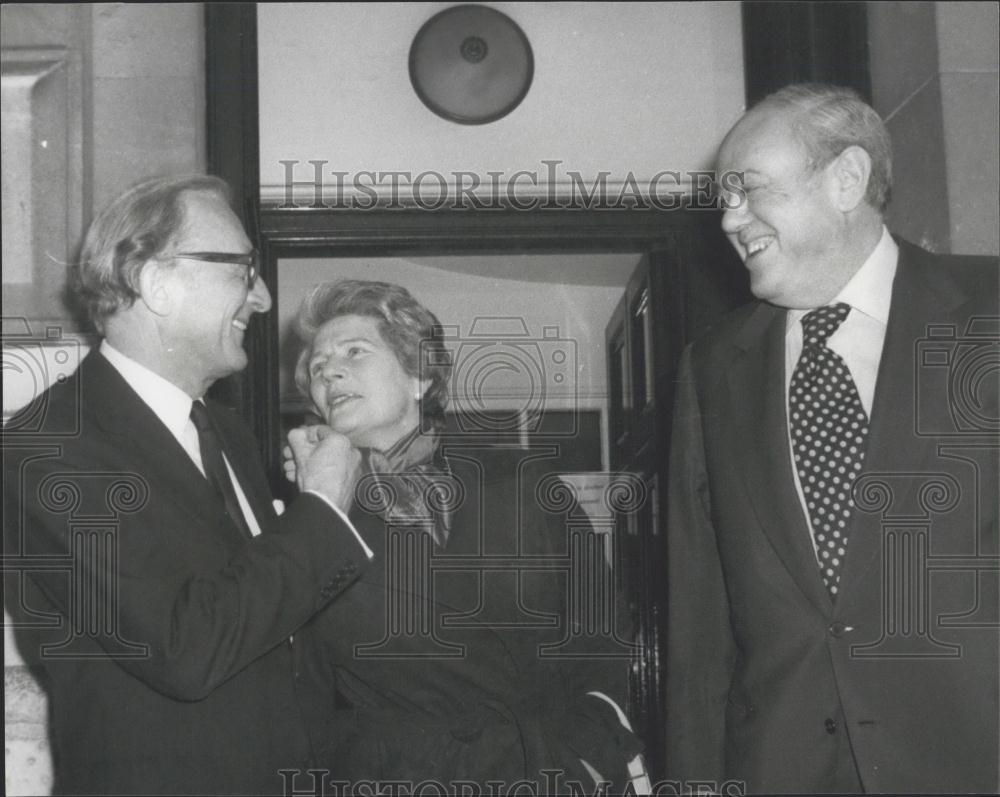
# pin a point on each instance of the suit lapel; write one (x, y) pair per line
(756, 396)
(922, 293)
(126, 418)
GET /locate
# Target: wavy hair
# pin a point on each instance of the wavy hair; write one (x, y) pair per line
(411, 330)
(136, 227)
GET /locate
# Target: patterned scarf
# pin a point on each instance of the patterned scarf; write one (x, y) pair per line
(410, 484)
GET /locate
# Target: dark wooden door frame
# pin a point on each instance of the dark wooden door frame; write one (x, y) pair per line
(805, 41)
(233, 149)
(686, 249)
(687, 242)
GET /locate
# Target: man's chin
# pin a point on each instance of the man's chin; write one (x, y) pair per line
(238, 361)
(772, 294)
(763, 288)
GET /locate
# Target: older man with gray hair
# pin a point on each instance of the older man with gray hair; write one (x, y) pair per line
(833, 515)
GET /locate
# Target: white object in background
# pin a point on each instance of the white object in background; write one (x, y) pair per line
(637, 774)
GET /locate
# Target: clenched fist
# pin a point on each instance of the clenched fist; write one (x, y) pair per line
(324, 461)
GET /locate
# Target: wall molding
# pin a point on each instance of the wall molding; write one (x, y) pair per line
(38, 127)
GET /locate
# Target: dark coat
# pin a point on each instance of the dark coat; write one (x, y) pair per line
(771, 683)
(439, 654)
(178, 679)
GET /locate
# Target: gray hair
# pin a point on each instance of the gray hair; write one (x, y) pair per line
(136, 227)
(829, 119)
(411, 330)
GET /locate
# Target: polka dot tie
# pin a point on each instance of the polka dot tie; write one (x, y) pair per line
(829, 427)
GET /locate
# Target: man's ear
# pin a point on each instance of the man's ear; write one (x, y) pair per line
(155, 287)
(851, 170)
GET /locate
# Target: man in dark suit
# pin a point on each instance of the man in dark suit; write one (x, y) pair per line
(163, 585)
(833, 501)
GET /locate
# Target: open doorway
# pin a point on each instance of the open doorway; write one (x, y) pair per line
(546, 288)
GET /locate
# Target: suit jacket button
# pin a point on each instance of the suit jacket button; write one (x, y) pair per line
(831, 725)
(838, 629)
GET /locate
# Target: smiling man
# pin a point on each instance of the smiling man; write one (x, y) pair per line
(174, 583)
(826, 481)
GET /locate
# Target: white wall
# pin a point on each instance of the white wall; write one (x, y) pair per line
(618, 87)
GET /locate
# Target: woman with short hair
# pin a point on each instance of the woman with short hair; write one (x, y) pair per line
(435, 666)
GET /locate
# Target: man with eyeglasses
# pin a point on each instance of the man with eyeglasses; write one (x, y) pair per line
(174, 585)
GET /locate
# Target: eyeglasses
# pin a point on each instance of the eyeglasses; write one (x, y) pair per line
(251, 260)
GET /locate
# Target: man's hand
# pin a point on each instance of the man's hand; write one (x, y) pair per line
(324, 461)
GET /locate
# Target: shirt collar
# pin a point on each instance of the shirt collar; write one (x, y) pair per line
(869, 291)
(170, 404)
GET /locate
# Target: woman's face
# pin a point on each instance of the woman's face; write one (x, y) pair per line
(358, 384)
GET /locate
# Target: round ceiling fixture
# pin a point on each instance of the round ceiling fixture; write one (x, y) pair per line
(471, 64)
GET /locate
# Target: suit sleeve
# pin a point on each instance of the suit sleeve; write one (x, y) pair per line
(189, 600)
(700, 647)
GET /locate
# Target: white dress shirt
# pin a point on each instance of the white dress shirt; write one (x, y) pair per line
(858, 340)
(173, 407)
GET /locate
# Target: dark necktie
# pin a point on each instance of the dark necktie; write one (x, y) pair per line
(215, 466)
(829, 428)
